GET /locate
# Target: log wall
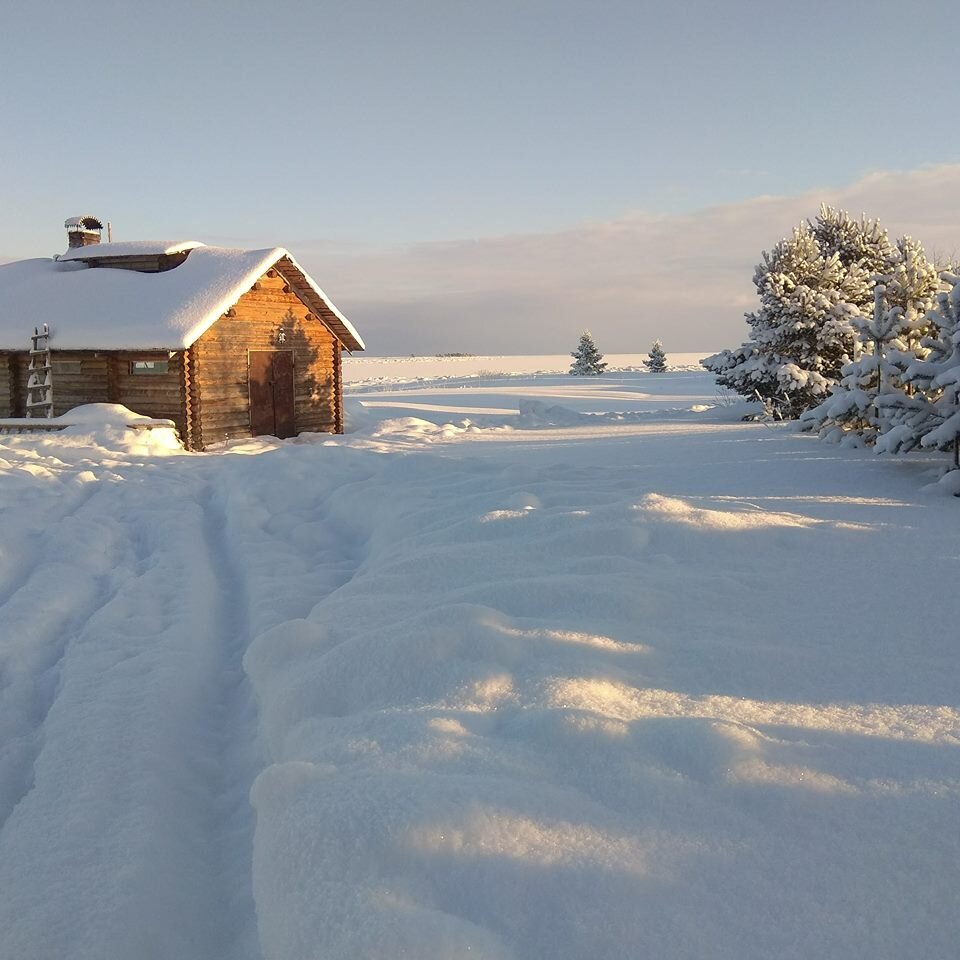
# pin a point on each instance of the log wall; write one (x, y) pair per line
(7, 379)
(219, 376)
(158, 395)
(81, 377)
(88, 385)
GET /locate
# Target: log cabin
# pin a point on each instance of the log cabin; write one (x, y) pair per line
(225, 343)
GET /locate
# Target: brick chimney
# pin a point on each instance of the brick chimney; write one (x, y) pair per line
(83, 231)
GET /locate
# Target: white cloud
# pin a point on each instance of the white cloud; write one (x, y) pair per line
(684, 278)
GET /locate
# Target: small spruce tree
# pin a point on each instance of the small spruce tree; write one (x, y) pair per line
(937, 378)
(657, 362)
(587, 359)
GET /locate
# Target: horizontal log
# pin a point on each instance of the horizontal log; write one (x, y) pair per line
(154, 380)
(265, 315)
(232, 401)
(237, 370)
(267, 321)
(236, 347)
(227, 378)
(276, 299)
(78, 383)
(225, 402)
(212, 422)
(219, 421)
(327, 427)
(212, 431)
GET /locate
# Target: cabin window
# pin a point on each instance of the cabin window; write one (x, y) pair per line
(66, 366)
(149, 367)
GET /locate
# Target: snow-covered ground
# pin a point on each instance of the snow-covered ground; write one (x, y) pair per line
(366, 371)
(615, 676)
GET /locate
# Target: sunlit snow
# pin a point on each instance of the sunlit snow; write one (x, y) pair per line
(527, 667)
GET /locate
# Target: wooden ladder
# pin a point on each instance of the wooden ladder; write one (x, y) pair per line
(40, 375)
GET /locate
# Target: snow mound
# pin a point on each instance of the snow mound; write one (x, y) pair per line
(102, 414)
(947, 485)
(356, 416)
(536, 413)
(99, 429)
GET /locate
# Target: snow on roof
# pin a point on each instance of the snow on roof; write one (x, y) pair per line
(99, 308)
(134, 248)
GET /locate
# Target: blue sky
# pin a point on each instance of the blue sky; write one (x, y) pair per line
(358, 132)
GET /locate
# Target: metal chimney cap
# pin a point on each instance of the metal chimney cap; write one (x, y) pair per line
(83, 223)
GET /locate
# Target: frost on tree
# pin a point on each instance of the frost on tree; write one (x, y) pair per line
(587, 359)
(875, 402)
(935, 379)
(939, 375)
(813, 287)
(656, 359)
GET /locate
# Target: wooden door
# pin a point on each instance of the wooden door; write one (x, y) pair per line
(271, 393)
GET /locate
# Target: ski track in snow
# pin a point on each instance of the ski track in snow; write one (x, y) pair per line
(26, 698)
(553, 688)
(233, 723)
(135, 568)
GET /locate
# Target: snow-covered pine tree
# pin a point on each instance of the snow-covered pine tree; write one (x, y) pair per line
(936, 378)
(911, 289)
(587, 359)
(862, 242)
(656, 361)
(873, 400)
(850, 411)
(812, 286)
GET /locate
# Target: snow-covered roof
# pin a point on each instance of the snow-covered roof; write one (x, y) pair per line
(100, 308)
(133, 248)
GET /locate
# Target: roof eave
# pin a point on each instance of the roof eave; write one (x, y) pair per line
(338, 325)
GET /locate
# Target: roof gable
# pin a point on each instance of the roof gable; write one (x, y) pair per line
(310, 294)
